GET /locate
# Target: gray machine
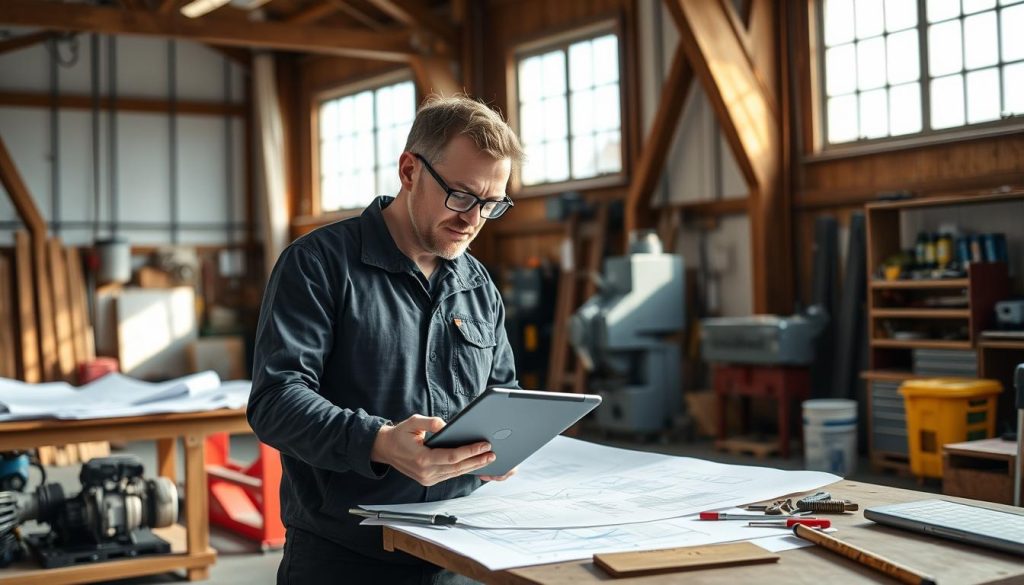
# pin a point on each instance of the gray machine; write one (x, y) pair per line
(762, 339)
(619, 334)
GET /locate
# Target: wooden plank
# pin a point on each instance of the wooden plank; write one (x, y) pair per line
(658, 143)
(62, 310)
(8, 350)
(417, 14)
(313, 13)
(122, 104)
(434, 75)
(167, 7)
(20, 42)
(29, 366)
(750, 123)
(383, 45)
(84, 343)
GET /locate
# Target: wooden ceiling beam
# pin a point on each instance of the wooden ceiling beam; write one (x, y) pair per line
(751, 127)
(434, 75)
(167, 7)
(20, 42)
(416, 14)
(386, 46)
(658, 144)
(313, 13)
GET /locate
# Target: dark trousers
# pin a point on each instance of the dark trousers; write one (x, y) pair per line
(311, 560)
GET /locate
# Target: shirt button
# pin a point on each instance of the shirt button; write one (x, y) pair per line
(433, 356)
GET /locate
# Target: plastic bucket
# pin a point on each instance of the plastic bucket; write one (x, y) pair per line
(830, 435)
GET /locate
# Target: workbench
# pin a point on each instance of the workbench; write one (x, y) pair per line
(945, 560)
(190, 544)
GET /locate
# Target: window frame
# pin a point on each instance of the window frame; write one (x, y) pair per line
(318, 98)
(823, 150)
(561, 41)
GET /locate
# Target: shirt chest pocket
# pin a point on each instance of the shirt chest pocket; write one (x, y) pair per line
(473, 353)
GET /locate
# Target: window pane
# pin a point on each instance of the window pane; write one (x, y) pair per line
(384, 146)
(531, 123)
(944, 51)
(982, 95)
(871, 63)
(1008, 2)
(842, 119)
(365, 185)
(947, 101)
(942, 9)
(903, 63)
(972, 6)
(346, 115)
(900, 14)
(1013, 88)
(1013, 40)
(329, 156)
(583, 112)
(530, 78)
(874, 114)
(329, 200)
(584, 163)
(556, 155)
(387, 181)
(606, 59)
(346, 154)
(980, 40)
(838, 22)
(554, 74)
(905, 109)
(870, 18)
(364, 150)
(533, 167)
(385, 106)
(581, 66)
(606, 107)
(609, 152)
(555, 123)
(328, 119)
(404, 102)
(840, 63)
(364, 111)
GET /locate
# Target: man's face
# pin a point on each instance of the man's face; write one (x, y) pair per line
(441, 231)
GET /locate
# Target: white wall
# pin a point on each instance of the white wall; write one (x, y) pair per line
(700, 166)
(142, 190)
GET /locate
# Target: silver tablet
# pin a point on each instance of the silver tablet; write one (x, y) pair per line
(515, 422)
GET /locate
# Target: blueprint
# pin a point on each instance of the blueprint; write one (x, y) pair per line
(575, 484)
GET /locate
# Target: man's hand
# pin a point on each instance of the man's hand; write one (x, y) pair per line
(499, 477)
(401, 447)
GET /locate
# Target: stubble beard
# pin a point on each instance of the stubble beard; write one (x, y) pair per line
(431, 242)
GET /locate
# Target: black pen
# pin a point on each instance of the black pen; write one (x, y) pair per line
(435, 519)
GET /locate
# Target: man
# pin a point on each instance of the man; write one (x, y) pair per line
(384, 318)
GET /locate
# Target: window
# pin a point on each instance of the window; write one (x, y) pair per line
(361, 136)
(570, 117)
(899, 67)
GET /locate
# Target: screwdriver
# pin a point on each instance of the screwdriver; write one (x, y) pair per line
(791, 522)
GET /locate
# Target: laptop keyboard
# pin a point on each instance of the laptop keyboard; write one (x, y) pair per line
(992, 523)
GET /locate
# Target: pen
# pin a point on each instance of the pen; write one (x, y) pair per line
(869, 559)
(791, 522)
(435, 519)
(725, 516)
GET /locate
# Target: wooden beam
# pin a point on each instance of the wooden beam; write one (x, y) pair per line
(658, 143)
(313, 13)
(19, 194)
(167, 7)
(29, 366)
(238, 55)
(417, 14)
(750, 125)
(385, 45)
(23, 41)
(434, 75)
(148, 105)
(63, 325)
(8, 350)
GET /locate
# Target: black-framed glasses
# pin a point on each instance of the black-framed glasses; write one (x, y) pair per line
(462, 202)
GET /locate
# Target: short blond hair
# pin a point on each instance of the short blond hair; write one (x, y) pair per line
(442, 118)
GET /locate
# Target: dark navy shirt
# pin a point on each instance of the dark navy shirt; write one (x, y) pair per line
(351, 336)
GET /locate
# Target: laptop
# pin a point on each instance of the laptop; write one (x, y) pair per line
(985, 527)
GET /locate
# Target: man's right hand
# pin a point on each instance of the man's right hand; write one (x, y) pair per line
(401, 447)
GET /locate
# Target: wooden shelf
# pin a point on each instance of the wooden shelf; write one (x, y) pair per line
(930, 283)
(921, 344)
(921, 313)
(888, 375)
(1001, 344)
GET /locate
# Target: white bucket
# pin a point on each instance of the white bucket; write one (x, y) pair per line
(830, 435)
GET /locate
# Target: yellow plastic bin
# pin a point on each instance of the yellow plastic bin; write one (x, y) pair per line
(946, 410)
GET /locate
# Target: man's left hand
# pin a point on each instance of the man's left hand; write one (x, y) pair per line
(499, 477)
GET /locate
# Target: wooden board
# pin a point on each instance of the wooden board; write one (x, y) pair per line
(8, 368)
(154, 327)
(64, 340)
(29, 368)
(84, 344)
(631, 564)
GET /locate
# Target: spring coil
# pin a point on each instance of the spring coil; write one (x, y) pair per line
(827, 506)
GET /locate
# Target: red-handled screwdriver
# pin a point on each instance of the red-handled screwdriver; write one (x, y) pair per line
(791, 522)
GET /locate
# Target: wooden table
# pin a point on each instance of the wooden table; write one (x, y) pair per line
(190, 546)
(947, 561)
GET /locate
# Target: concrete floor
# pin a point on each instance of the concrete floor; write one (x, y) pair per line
(240, 562)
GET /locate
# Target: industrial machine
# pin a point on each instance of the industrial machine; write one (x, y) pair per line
(763, 339)
(620, 336)
(108, 519)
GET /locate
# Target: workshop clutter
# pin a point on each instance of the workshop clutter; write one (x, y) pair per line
(946, 410)
(830, 435)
